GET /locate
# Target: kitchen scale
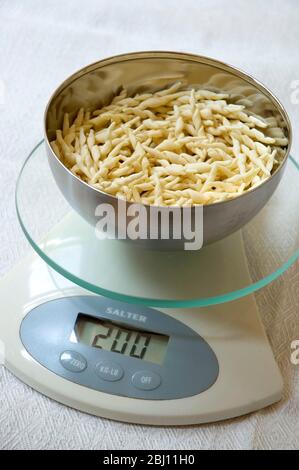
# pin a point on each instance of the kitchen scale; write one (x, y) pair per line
(143, 336)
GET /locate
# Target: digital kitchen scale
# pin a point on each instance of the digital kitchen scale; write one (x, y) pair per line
(143, 336)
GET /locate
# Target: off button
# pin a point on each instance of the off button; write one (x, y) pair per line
(146, 380)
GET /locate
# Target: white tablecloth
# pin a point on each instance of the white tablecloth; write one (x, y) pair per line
(43, 42)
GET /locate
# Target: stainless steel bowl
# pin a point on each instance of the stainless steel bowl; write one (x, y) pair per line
(96, 84)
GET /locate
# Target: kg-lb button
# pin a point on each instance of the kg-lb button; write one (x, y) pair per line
(110, 371)
(146, 380)
(73, 361)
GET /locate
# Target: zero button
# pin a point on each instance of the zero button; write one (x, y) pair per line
(73, 361)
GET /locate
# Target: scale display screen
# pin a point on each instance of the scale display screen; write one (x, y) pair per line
(118, 338)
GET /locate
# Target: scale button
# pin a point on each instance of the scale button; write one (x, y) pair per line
(108, 370)
(73, 361)
(146, 380)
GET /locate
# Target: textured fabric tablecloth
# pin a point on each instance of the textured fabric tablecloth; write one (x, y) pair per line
(43, 42)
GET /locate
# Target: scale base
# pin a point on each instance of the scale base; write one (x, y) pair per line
(249, 378)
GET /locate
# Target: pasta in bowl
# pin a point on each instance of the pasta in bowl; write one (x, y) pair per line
(173, 147)
(177, 145)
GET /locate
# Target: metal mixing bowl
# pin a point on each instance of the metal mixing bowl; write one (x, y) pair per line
(96, 84)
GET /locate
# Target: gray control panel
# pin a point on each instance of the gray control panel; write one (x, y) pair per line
(119, 348)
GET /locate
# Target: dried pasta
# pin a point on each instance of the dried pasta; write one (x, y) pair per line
(175, 147)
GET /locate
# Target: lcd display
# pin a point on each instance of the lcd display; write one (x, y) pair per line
(118, 338)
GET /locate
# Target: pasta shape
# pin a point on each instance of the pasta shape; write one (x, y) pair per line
(176, 147)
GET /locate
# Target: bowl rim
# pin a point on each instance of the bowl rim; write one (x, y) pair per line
(163, 54)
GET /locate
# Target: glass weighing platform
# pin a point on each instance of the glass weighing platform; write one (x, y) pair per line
(151, 337)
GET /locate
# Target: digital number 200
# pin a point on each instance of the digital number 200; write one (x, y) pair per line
(121, 340)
